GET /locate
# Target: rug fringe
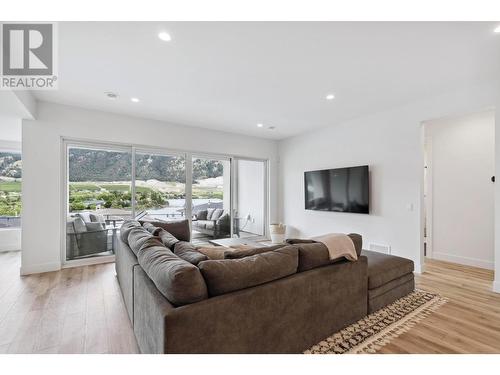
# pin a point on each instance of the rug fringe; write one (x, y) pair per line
(340, 341)
(404, 325)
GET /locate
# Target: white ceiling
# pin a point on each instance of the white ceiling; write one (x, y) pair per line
(231, 76)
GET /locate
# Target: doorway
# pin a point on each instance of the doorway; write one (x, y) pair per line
(458, 191)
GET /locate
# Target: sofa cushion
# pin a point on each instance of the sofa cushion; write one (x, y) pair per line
(79, 225)
(313, 255)
(179, 281)
(188, 252)
(96, 218)
(137, 237)
(212, 252)
(202, 215)
(178, 228)
(217, 214)
(154, 230)
(167, 238)
(227, 275)
(126, 227)
(383, 268)
(85, 216)
(242, 253)
(356, 238)
(210, 212)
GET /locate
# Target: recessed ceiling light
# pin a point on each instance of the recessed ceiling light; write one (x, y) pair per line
(135, 100)
(111, 95)
(260, 125)
(330, 97)
(497, 30)
(165, 36)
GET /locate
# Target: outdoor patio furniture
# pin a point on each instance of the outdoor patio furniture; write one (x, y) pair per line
(87, 234)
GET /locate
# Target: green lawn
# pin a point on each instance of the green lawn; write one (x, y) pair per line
(10, 186)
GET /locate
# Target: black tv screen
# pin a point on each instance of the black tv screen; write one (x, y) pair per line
(340, 190)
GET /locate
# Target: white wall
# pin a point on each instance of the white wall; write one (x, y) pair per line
(462, 161)
(251, 177)
(391, 143)
(10, 129)
(42, 155)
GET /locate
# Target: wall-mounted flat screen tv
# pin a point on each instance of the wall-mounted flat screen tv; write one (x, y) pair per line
(340, 190)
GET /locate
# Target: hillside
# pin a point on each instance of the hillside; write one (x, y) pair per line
(91, 165)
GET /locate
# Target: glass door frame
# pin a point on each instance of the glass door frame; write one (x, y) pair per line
(67, 142)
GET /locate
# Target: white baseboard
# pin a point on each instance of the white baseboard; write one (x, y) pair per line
(40, 268)
(419, 268)
(463, 260)
(496, 286)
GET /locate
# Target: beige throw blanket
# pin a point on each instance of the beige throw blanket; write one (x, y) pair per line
(338, 245)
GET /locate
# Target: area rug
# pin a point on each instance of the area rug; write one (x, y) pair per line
(376, 330)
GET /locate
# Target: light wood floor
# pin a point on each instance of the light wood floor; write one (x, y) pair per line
(80, 310)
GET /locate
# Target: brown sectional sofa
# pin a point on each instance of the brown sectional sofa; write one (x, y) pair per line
(282, 299)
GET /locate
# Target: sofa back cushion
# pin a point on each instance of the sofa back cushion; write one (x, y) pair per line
(227, 275)
(85, 216)
(210, 212)
(314, 254)
(179, 281)
(167, 238)
(186, 250)
(137, 237)
(178, 228)
(216, 215)
(357, 239)
(202, 215)
(241, 253)
(79, 225)
(151, 228)
(126, 227)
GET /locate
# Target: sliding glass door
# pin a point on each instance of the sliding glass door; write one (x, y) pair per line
(222, 197)
(211, 199)
(99, 199)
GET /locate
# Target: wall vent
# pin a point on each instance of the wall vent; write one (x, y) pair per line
(386, 249)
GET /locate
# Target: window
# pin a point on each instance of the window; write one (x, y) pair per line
(108, 184)
(10, 189)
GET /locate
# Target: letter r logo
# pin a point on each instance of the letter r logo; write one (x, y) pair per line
(27, 49)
